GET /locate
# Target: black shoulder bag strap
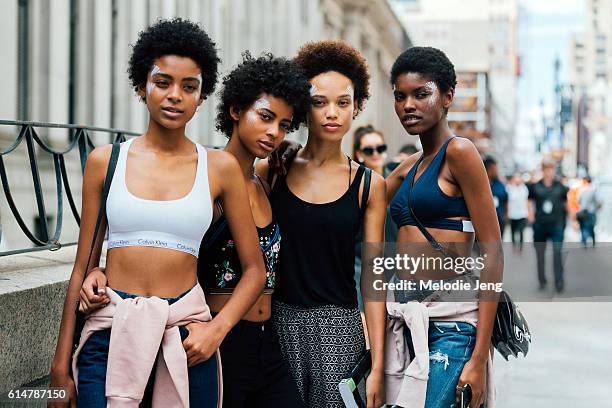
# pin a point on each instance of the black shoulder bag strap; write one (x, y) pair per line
(432, 241)
(112, 164)
(365, 194)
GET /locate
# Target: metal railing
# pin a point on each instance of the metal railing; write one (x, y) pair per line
(81, 140)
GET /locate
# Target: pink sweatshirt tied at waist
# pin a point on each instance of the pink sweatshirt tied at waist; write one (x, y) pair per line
(405, 379)
(142, 327)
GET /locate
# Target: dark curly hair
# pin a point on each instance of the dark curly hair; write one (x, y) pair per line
(266, 74)
(429, 62)
(336, 55)
(174, 37)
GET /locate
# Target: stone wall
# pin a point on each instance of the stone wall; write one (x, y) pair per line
(32, 291)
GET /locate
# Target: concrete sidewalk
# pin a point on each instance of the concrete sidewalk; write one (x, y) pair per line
(569, 363)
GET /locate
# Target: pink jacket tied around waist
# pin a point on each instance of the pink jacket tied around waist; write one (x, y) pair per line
(141, 327)
(405, 379)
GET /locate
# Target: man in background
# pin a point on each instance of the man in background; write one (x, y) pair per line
(547, 212)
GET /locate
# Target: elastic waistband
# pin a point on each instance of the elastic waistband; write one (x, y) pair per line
(299, 308)
(152, 239)
(446, 224)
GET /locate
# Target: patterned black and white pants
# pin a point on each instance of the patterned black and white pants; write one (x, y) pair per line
(321, 344)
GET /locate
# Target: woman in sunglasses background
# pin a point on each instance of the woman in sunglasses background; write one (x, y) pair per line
(369, 148)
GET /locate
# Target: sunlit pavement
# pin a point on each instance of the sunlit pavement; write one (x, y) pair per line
(570, 360)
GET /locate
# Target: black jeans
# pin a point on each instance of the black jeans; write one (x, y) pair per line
(542, 232)
(517, 227)
(254, 372)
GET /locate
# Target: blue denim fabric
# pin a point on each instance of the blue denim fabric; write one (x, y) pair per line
(587, 228)
(203, 382)
(450, 346)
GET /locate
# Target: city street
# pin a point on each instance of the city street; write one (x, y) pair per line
(568, 365)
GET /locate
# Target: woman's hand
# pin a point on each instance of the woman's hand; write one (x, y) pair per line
(93, 292)
(202, 342)
(281, 158)
(375, 389)
(475, 374)
(63, 381)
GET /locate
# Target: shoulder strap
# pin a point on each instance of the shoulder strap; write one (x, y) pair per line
(112, 164)
(262, 184)
(432, 241)
(365, 194)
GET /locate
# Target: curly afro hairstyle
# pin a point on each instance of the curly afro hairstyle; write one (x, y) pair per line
(336, 55)
(267, 74)
(174, 37)
(429, 62)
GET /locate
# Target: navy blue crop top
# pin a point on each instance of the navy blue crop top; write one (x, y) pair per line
(430, 204)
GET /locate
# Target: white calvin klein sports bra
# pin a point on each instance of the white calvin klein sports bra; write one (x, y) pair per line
(173, 224)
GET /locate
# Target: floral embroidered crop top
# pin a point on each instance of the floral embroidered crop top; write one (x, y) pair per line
(219, 267)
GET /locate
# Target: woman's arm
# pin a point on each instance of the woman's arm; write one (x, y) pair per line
(93, 180)
(468, 169)
(374, 303)
(226, 174)
(237, 211)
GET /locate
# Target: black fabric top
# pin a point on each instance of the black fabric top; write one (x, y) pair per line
(549, 202)
(318, 259)
(219, 267)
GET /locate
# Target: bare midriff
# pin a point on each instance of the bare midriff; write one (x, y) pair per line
(411, 235)
(150, 271)
(259, 312)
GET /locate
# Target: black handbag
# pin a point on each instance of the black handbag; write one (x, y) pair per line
(511, 333)
(112, 164)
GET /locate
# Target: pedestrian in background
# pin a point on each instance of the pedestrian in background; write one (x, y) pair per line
(518, 195)
(404, 153)
(547, 212)
(589, 202)
(369, 148)
(500, 196)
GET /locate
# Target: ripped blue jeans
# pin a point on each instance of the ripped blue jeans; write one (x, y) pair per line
(450, 346)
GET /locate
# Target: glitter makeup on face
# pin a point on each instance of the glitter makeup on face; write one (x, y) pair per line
(433, 99)
(251, 116)
(261, 103)
(154, 71)
(313, 90)
(350, 91)
(197, 94)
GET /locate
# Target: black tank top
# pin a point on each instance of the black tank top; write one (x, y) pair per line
(318, 258)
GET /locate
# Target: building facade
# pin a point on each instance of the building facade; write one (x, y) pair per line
(67, 63)
(479, 36)
(591, 83)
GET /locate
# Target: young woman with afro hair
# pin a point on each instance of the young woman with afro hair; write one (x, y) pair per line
(262, 100)
(444, 188)
(151, 339)
(320, 206)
